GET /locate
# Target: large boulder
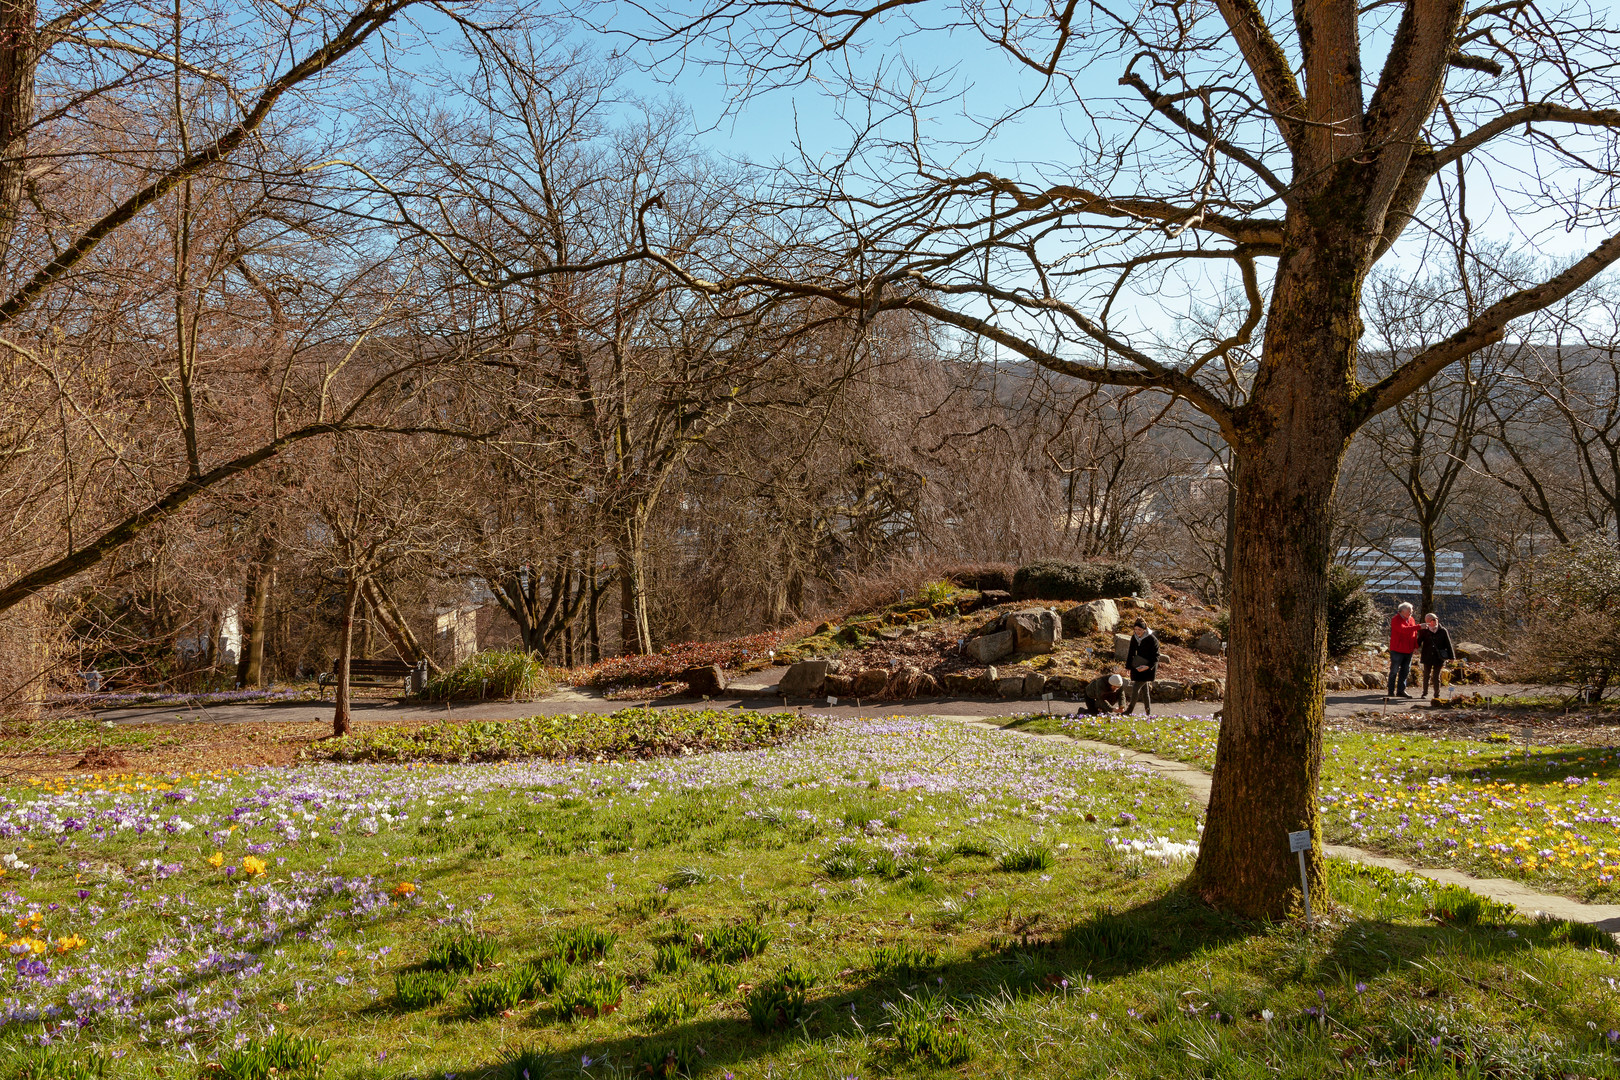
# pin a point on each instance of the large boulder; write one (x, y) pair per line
(706, 681)
(1207, 690)
(1097, 616)
(1169, 690)
(911, 682)
(804, 679)
(1010, 687)
(1034, 684)
(1122, 647)
(992, 597)
(1471, 650)
(838, 685)
(1372, 680)
(988, 648)
(1067, 684)
(869, 682)
(1208, 642)
(1035, 631)
(960, 682)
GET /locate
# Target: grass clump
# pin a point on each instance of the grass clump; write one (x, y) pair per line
(738, 941)
(778, 1003)
(677, 1059)
(628, 733)
(673, 1007)
(592, 994)
(582, 943)
(1455, 904)
(921, 1038)
(672, 957)
(461, 950)
(41, 1063)
(718, 980)
(505, 991)
(493, 673)
(904, 958)
(1027, 858)
(280, 1055)
(422, 989)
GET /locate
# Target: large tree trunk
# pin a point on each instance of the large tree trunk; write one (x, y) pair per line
(340, 710)
(1290, 441)
(19, 52)
(393, 625)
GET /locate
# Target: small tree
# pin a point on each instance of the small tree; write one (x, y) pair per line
(1351, 613)
(1572, 624)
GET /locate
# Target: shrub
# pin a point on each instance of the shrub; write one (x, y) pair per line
(281, 1055)
(1027, 858)
(421, 989)
(1572, 617)
(1351, 613)
(495, 673)
(583, 943)
(1078, 581)
(982, 576)
(461, 950)
(738, 941)
(592, 995)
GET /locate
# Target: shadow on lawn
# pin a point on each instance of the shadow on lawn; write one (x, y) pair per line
(1542, 766)
(1104, 947)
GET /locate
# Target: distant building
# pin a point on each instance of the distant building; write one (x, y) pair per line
(1395, 569)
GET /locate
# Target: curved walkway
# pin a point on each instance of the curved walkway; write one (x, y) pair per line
(1603, 916)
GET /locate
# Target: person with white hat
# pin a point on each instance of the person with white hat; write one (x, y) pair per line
(1104, 694)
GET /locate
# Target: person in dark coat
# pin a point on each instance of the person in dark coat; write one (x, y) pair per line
(1142, 661)
(1104, 694)
(1434, 649)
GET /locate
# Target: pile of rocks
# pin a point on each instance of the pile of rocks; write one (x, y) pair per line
(820, 678)
(823, 678)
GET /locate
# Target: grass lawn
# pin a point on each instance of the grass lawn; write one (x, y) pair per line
(888, 897)
(1549, 816)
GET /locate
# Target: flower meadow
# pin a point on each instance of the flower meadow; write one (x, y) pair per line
(877, 896)
(1549, 816)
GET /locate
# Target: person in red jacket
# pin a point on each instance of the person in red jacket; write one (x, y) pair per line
(1403, 638)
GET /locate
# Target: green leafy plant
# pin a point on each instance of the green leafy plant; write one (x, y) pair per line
(281, 1055)
(57, 1063)
(903, 958)
(921, 1038)
(1455, 904)
(494, 673)
(677, 1059)
(582, 943)
(461, 950)
(718, 980)
(551, 973)
(421, 989)
(687, 877)
(775, 1004)
(505, 991)
(593, 994)
(1579, 935)
(737, 941)
(526, 1063)
(1109, 936)
(673, 1007)
(1027, 858)
(672, 957)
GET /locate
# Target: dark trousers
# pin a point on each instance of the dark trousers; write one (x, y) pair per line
(1431, 673)
(1400, 669)
(1141, 691)
(1096, 708)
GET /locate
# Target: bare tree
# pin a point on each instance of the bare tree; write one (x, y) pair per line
(1246, 135)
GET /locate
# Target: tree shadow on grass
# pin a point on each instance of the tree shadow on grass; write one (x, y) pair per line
(1550, 766)
(1104, 947)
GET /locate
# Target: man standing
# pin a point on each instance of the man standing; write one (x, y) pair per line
(1434, 649)
(1103, 694)
(1142, 659)
(1403, 638)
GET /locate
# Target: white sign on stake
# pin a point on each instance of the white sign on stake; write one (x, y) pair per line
(1300, 843)
(831, 700)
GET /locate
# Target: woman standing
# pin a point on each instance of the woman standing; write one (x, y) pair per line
(1403, 638)
(1142, 658)
(1434, 649)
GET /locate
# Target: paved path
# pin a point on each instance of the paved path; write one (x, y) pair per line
(1603, 916)
(753, 691)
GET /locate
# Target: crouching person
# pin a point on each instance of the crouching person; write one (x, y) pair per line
(1105, 694)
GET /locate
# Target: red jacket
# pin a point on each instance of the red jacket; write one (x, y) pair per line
(1403, 634)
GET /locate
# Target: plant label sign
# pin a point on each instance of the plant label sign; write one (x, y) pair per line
(1299, 841)
(831, 700)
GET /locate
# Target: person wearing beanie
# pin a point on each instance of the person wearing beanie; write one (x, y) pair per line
(1142, 661)
(1104, 694)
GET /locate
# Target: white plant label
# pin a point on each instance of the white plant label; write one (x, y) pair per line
(1299, 841)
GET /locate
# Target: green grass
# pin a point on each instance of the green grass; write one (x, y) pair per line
(1548, 816)
(1096, 966)
(636, 732)
(493, 674)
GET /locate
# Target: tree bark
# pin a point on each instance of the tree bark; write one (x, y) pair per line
(19, 52)
(256, 607)
(1291, 437)
(393, 625)
(340, 710)
(635, 632)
